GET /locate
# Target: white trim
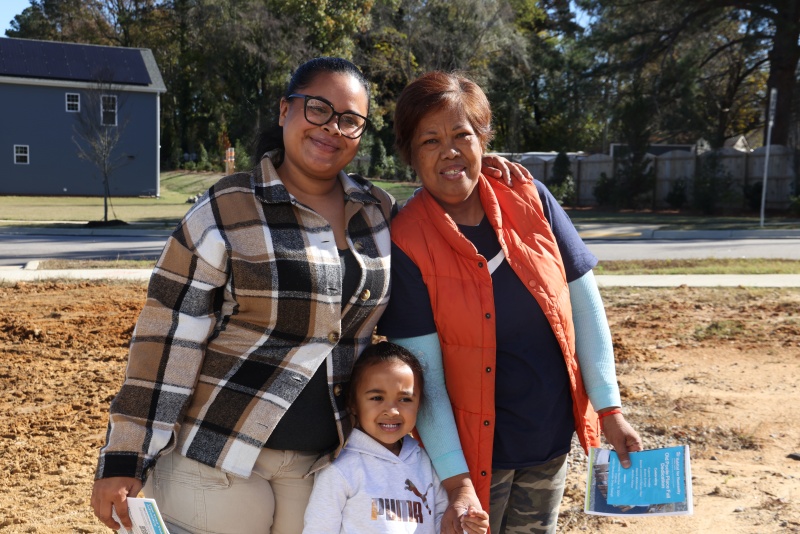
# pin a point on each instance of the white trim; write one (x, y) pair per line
(67, 102)
(158, 146)
(65, 84)
(26, 155)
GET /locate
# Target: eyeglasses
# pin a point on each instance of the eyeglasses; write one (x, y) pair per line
(319, 111)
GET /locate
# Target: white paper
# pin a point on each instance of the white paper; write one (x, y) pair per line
(145, 517)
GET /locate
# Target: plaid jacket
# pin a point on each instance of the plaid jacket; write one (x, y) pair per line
(242, 307)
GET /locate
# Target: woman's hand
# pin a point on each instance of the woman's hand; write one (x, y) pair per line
(114, 491)
(500, 168)
(461, 496)
(475, 521)
(621, 435)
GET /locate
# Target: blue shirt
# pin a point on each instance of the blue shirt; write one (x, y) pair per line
(533, 406)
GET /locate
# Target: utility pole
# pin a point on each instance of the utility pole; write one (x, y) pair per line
(773, 98)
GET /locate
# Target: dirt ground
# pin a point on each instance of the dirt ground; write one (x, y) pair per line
(714, 368)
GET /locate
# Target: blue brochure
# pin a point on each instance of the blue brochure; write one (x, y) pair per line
(659, 482)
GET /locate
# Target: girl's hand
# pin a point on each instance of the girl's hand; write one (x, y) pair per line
(475, 521)
(500, 168)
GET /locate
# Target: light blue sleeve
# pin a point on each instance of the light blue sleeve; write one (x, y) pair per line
(435, 421)
(593, 342)
(441, 500)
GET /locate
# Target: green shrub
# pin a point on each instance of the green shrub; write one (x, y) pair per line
(752, 194)
(713, 185)
(794, 206)
(564, 192)
(561, 169)
(605, 191)
(175, 156)
(677, 196)
(404, 173)
(203, 163)
(561, 184)
(631, 186)
(241, 159)
(635, 183)
(378, 161)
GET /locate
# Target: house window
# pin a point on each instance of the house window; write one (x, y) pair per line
(109, 110)
(21, 154)
(73, 102)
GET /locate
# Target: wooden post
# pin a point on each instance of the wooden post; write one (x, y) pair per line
(230, 160)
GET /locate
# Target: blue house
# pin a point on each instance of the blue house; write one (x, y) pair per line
(71, 114)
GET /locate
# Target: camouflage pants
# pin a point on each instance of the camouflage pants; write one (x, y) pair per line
(527, 500)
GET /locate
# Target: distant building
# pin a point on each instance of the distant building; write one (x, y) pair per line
(48, 89)
(739, 143)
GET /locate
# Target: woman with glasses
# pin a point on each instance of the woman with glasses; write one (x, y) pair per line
(264, 296)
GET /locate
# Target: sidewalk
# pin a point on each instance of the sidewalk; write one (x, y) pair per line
(644, 231)
(31, 273)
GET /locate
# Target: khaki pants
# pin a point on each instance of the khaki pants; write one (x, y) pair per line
(197, 499)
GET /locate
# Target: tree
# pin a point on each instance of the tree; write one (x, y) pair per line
(652, 29)
(79, 21)
(698, 68)
(540, 94)
(98, 130)
(713, 92)
(408, 37)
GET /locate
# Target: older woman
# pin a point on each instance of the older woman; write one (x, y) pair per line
(499, 301)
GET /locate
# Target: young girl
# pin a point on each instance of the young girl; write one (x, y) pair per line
(383, 481)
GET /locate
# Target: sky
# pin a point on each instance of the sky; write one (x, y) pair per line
(8, 10)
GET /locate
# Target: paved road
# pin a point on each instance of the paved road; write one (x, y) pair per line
(663, 249)
(18, 247)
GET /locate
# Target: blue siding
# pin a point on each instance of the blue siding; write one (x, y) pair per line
(36, 116)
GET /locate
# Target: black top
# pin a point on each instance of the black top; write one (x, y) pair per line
(308, 424)
(533, 404)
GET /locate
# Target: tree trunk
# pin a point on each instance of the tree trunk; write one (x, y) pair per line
(783, 60)
(107, 193)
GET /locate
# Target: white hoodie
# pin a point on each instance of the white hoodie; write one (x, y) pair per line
(369, 490)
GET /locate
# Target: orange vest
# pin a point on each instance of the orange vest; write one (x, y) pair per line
(460, 289)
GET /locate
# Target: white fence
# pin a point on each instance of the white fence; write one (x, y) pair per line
(745, 168)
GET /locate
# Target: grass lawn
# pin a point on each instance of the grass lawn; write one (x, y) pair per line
(178, 186)
(165, 211)
(674, 220)
(700, 266)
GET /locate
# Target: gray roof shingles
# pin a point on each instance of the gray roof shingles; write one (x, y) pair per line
(75, 62)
